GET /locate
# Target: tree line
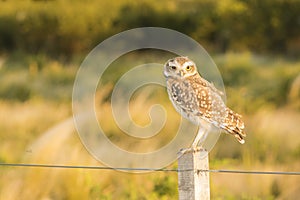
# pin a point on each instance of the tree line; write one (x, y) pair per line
(268, 26)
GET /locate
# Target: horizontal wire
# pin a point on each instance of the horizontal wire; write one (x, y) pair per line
(148, 169)
(250, 172)
(86, 167)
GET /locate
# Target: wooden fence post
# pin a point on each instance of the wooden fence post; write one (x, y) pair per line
(193, 184)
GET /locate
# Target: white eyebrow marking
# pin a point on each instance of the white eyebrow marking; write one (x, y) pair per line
(188, 63)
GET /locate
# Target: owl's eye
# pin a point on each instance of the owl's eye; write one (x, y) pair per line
(189, 67)
(173, 67)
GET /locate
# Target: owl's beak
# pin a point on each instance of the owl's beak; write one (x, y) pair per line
(181, 73)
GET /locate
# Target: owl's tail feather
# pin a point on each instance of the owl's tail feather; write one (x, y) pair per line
(235, 125)
(239, 137)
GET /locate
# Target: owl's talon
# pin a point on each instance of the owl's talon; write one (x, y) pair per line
(184, 151)
(192, 149)
(198, 148)
(188, 150)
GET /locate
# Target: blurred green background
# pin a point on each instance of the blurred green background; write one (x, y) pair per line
(255, 44)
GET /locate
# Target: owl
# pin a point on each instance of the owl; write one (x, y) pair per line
(199, 101)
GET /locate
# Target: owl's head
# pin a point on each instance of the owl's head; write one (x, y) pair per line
(180, 67)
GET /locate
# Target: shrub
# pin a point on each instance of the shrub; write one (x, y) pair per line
(15, 91)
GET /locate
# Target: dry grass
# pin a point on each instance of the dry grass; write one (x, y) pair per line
(23, 122)
(60, 145)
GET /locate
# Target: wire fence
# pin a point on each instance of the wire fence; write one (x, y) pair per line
(147, 169)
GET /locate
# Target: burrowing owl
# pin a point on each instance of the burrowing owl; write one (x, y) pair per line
(198, 100)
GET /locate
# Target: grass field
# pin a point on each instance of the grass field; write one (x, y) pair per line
(36, 127)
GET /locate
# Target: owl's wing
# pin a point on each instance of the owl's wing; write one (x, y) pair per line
(215, 111)
(211, 107)
(211, 86)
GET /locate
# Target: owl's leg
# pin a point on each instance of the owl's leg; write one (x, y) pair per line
(199, 139)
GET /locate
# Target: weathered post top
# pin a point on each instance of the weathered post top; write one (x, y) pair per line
(193, 180)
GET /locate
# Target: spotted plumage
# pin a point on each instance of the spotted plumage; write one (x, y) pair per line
(198, 100)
